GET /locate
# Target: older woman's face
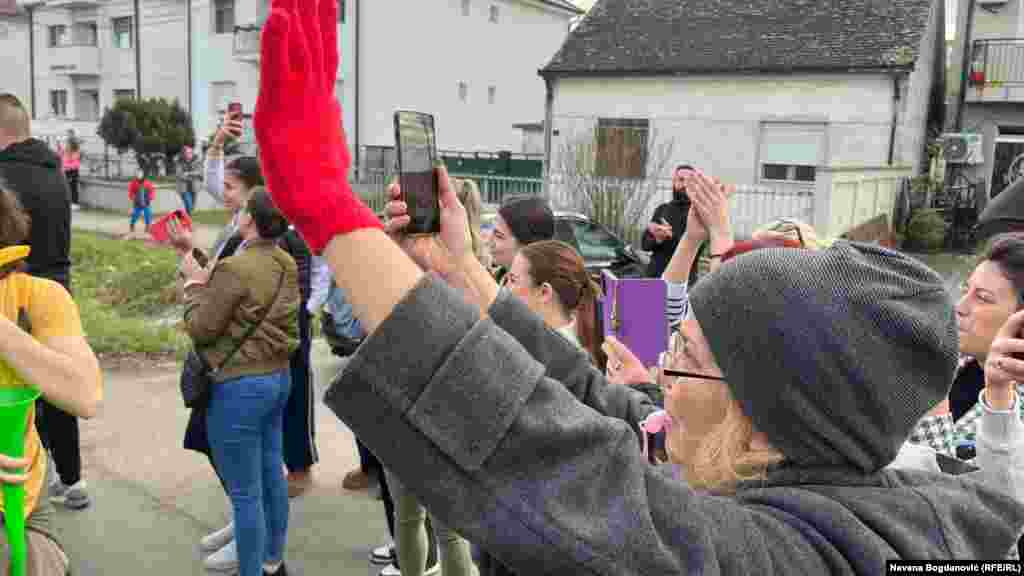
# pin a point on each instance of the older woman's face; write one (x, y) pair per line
(235, 192)
(504, 244)
(988, 301)
(696, 405)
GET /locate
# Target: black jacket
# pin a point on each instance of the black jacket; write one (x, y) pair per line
(674, 213)
(33, 172)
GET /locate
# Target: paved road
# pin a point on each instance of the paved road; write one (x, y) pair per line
(153, 501)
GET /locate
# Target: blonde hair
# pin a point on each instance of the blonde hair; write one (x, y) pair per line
(469, 194)
(723, 457)
(793, 229)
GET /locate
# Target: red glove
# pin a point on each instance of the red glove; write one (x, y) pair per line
(303, 153)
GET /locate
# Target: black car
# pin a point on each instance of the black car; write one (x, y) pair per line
(600, 248)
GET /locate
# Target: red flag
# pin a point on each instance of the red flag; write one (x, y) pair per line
(8, 7)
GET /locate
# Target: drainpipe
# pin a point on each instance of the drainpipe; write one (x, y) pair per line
(549, 106)
(188, 50)
(965, 66)
(895, 115)
(32, 57)
(357, 38)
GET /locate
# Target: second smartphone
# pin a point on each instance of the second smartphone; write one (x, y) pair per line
(416, 152)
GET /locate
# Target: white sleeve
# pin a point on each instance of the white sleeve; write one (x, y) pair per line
(677, 303)
(320, 284)
(215, 178)
(1000, 447)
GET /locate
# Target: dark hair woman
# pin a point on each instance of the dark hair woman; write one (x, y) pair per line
(254, 292)
(550, 277)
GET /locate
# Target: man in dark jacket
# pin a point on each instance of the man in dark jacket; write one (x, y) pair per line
(33, 172)
(667, 226)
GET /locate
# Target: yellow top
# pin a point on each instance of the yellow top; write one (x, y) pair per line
(52, 313)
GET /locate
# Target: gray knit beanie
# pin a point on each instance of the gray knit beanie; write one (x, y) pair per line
(834, 354)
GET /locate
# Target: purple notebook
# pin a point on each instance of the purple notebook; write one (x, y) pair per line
(634, 312)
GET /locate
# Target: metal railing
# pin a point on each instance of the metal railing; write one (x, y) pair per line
(750, 207)
(1001, 61)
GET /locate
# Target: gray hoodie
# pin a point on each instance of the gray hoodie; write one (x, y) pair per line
(540, 465)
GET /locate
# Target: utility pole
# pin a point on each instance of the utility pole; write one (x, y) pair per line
(964, 66)
(188, 50)
(32, 57)
(138, 53)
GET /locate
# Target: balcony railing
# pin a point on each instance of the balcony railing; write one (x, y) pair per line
(998, 63)
(247, 42)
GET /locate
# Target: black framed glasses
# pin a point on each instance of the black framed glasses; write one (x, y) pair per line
(684, 374)
(669, 374)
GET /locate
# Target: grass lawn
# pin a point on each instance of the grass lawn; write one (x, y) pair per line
(218, 218)
(120, 287)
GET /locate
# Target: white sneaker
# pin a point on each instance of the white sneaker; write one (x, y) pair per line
(213, 542)
(383, 555)
(223, 560)
(391, 570)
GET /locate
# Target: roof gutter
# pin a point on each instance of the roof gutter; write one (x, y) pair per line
(895, 116)
(639, 72)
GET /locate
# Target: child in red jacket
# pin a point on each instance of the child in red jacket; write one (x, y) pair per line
(141, 199)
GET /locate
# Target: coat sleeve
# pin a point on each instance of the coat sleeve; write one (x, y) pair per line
(495, 448)
(647, 242)
(566, 363)
(209, 307)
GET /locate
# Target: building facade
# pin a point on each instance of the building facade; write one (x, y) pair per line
(993, 100)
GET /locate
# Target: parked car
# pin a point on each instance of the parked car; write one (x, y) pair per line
(600, 248)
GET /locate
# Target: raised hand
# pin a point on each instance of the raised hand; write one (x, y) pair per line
(1004, 368)
(303, 152)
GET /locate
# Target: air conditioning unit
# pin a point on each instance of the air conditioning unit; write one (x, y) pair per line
(962, 148)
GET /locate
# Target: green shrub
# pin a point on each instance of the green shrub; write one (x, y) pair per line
(927, 230)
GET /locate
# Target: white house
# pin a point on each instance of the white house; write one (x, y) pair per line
(994, 91)
(758, 94)
(471, 63)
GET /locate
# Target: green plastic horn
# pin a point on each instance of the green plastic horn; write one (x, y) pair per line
(14, 407)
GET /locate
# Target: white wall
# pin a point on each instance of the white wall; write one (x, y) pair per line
(417, 61)
(14, 56)
(714, 121)
(913, 130)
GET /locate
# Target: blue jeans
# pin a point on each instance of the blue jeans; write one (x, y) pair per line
(187, 199)
(147, 215)
(245, 428)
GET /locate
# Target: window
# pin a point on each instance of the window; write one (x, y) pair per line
(122, 32)
(465, 7)
(59, 36)
(87, 105)
(492, 94)
(223, 16)
(622, 148)
(85, 34)
(791, 152)
(494, 14)
(59, 103)
(463, 91)
(596, 243)
(124, 95)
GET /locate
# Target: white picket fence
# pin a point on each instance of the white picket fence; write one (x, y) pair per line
(841, 198)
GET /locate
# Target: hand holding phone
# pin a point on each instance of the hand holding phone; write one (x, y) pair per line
(416, 148)
(235, 116)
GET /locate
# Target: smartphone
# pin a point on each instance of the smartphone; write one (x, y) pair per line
(416, 154)
(235, 111)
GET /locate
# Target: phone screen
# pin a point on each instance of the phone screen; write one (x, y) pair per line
(417, 153)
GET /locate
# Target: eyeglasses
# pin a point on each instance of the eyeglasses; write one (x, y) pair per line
(676, 346)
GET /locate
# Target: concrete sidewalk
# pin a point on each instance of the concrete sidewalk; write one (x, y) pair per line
(153, 501)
